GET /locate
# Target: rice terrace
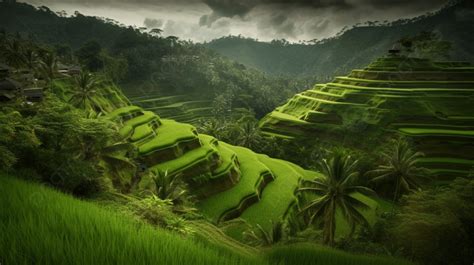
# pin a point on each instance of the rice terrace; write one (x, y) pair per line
(237, 132)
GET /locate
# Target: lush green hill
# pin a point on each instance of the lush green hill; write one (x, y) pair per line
(231, 181)
(337, 55)
(427, 101)
(42, 226)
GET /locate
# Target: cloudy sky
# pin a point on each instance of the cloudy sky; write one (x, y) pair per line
(203, 20)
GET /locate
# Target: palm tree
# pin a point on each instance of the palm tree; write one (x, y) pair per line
(13, 53)
(49, 67)
(335, 192)
(212, 127)
(400, 169)
(30, 58)
(84, 95)
(171, 187)
(249, 134)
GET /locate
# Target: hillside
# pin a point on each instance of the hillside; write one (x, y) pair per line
(55, 224)
(429, 102)
(336, 56)
(146, 64)
(231, 181)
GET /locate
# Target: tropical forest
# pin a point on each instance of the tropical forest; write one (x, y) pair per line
(266, 132)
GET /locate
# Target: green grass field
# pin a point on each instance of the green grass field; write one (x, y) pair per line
(39, 225)
(42, 226)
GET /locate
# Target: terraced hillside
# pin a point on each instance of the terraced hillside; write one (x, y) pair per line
(430, 102)
(182, 108)
(230, 181)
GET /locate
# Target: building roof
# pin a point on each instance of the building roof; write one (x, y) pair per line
(8, 84)
(34, 91)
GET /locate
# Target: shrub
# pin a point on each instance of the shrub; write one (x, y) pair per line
(436, 226)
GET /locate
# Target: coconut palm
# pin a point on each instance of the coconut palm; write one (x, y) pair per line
(249, 134)
(334, 192)
(85, 93)
(30, 58)
(212, 127)
(48, 67)
(13, 53)
(400, 169)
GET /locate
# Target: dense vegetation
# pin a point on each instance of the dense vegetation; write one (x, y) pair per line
(171, 193)
(146, 63)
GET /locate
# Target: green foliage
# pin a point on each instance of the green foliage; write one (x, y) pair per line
(427, 45)
(435, 226)
(260, 237)
(159, 212)
(89, 56)
(65, 148)
(85, 92)
(335, 192)
(400, 168)
(306, 254)
(172, 187)
(17, 136)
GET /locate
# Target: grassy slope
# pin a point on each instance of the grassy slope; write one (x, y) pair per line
(42, 226)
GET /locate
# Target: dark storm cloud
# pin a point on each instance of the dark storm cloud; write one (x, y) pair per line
(203, 20)
(231, 8)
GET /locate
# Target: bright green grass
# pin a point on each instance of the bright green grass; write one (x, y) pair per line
(155, 98)
(122, 111)
(307, 254)
(42, 226)
(344, 86)
(278, 195)
(286, 117)
(168, 134)
(129, 126)
(427, 131)
(251, 170)
(227, 160)
(189, 159)
(415, 82)
(141, 132)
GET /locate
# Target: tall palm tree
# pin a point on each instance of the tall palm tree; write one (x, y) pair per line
(249, 134)
(30, 58)
(334, 192)
(85, 93)
(400, 169)
(13, 52)
(49, 67)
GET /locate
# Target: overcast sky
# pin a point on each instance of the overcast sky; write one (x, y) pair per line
(203, 20)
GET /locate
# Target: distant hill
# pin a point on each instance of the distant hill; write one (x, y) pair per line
(149, 64)
(355, 47)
